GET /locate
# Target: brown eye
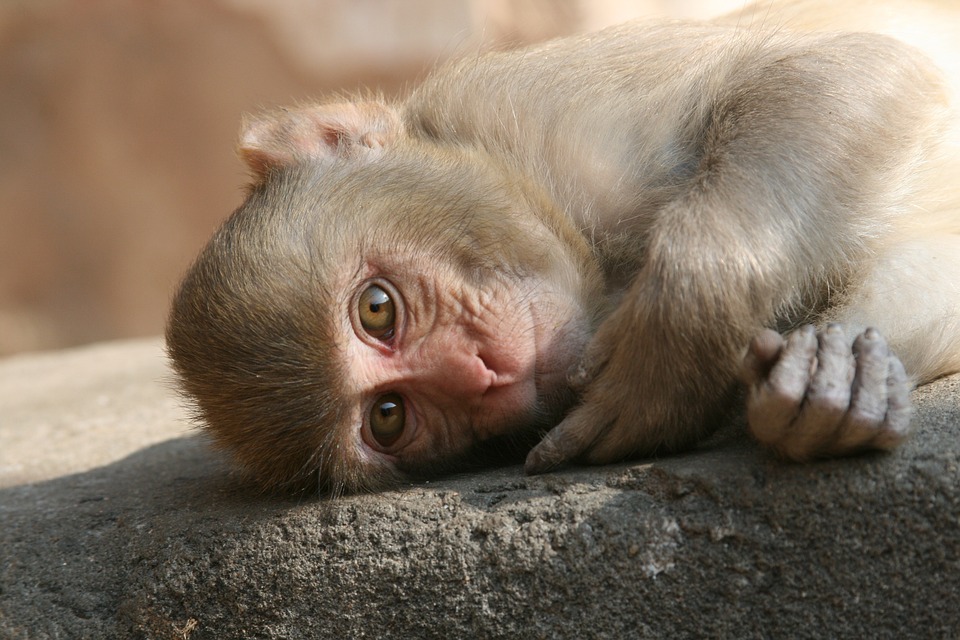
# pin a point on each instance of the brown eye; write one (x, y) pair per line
(387, 419)
(377, 312)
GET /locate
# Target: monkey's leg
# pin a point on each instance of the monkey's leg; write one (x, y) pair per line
(912, 296)
(815, 395)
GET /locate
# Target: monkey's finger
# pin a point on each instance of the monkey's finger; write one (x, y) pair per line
(774, 403)
(591, 364)
(827, 400)
(565, 442)
(896, 424)
(578, 377)
(868, 404)
(761, 356)
(879, 415)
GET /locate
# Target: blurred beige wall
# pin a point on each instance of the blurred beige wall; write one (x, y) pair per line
(118, 117)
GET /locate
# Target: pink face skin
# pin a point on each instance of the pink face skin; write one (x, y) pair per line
(468, 363)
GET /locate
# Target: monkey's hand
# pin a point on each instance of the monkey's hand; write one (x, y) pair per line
(637, 397)
(813, 395)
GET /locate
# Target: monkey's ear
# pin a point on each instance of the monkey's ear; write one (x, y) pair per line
(316, 132)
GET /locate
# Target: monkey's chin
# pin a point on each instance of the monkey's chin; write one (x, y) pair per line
(554, 397)
(558, 359)
(509, 446)
(553, 406)
(505, 443)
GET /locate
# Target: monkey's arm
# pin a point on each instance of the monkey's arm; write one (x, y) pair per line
(802, 160)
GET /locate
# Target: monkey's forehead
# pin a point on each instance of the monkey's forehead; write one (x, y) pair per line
(433, 200)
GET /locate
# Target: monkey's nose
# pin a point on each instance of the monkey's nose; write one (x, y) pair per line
(464, 377)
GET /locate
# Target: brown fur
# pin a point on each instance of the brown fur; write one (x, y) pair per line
(688, 184)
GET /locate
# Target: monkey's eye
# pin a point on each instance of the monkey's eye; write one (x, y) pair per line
(377, 312)
(387, 419)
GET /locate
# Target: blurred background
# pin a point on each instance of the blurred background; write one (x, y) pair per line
(118, 120)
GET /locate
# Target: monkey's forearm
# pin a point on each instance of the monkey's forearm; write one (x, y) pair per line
(772, 214)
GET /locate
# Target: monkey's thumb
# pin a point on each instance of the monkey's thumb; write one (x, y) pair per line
(565, 442)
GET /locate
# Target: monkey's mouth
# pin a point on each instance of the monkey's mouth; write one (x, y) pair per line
(509, 401)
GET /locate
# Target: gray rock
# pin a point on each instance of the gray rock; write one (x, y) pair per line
(116, 520)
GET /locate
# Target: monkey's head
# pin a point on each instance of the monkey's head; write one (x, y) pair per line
(379, 307)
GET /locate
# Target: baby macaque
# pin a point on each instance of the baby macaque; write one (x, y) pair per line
(600, 247)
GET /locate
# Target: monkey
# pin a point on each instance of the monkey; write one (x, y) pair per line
(593, 249)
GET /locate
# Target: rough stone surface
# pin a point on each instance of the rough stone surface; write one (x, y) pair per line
(116, 520)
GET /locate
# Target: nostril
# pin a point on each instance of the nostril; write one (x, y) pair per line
(486, 373)
(496, 374)
(464, 375)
